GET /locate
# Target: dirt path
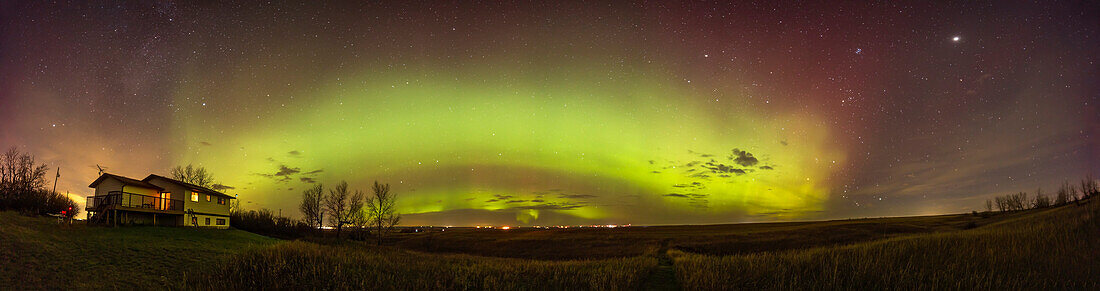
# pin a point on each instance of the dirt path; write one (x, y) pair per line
(664, 278)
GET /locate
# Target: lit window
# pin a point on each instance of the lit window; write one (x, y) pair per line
(221, 221)
(194, 197)
(207, 198)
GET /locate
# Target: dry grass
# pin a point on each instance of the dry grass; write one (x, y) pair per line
(37, 253)
(729, 239)
(303, 265)
(1045, 249)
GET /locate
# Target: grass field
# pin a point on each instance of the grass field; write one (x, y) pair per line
(1054, 248)
(588, 243)
(40, 254)
(354, 266)
(1043, 249)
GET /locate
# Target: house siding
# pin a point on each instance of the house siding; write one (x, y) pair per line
(111, 184)
(108, 185)
(201, 208)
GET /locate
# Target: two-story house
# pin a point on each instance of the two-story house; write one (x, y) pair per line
(156, 200)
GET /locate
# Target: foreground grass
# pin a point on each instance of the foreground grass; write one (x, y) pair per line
(37, 253)
(303, 265)
(1050, 249)
(729, 239)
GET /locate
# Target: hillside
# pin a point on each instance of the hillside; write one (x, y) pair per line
(1035, 249)
(38, 253)
(1056, 248)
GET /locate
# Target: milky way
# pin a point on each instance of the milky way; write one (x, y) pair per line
(557, 113)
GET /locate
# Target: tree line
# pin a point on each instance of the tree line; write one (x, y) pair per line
(341, 207)
(23, 187)
(375, 212)
(1067, 193)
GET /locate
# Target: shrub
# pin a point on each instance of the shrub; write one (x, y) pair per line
(266, 223)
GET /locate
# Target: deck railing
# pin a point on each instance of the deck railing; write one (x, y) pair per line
(133, 200)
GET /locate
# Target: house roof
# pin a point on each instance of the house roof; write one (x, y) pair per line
(193, 187)
(124, 180)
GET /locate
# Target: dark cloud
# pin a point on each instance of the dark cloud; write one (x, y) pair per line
(549, 206)
(783, 142)
(285, 171)
(723, 168)
(515, 201)
(576, 196)
(307, 180)
(700, 176)
(694, 199)
(743, 158)
(766, 168)
(204, 143)
(294, 153)
(498, 197)
(284, 174)
(221, 187)
(314, 172)
(687, 195)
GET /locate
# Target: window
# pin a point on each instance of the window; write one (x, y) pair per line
(221, 221)
(208, 198)
(194, 197)
(221, 200)
(163, 202)
(207, 221)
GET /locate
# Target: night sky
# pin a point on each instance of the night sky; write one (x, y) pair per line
(548, 113)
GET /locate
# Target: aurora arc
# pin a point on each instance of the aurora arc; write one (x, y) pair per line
(526, 146)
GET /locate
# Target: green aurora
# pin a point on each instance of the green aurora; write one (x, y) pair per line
(547, 113)
(521, 146)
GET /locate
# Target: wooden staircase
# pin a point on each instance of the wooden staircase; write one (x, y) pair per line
(101, 214)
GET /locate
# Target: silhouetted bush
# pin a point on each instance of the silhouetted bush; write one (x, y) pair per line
(1041, 201)
(1089, 187)
(266, 223)
(23, 187)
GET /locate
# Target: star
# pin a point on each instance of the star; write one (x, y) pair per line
(956, 38)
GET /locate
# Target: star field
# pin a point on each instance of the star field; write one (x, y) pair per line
(566, 113)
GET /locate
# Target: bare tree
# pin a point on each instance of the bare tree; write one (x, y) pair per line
(356, 216)
(20, 179)
(1041, 201)
(340, 204)
(311, 205)
(23, 186)
(194, 175)
(382, 211)
(1063, 194)
(1002, 203)
(1089, 187)
(988, 205)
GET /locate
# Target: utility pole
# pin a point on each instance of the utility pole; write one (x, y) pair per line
(55, 179)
